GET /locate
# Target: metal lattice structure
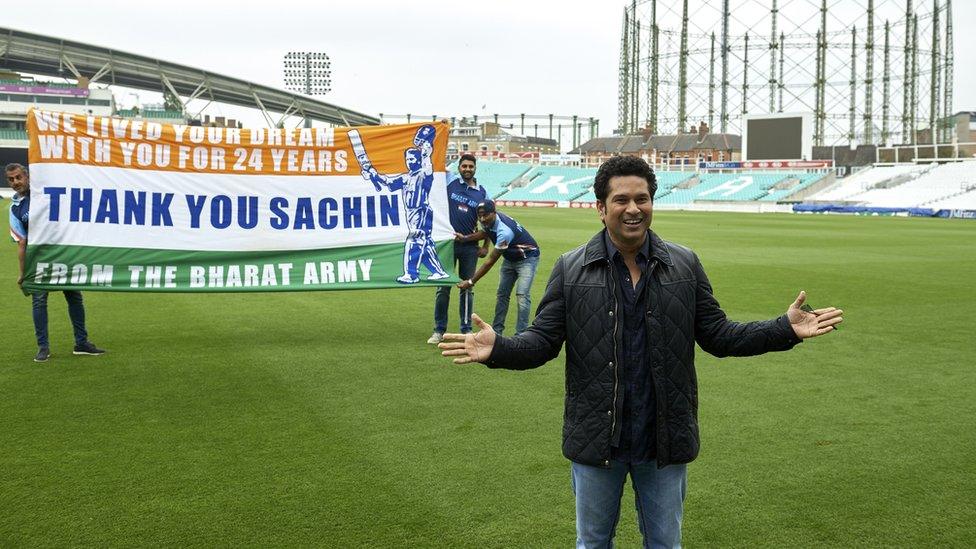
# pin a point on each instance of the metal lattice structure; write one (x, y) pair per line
(566, 130)
(871, 71)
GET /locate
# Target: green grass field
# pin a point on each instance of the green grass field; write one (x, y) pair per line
(322, 419)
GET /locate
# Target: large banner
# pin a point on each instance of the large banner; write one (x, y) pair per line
(132, 205)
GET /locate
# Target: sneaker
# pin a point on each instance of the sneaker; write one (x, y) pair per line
(42, 355)
(438, 276)
(88, 348)
(407, 279)
(435, 338)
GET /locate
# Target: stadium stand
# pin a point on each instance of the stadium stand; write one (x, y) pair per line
(150, 113)
(37, 83)
(19, 135)
(962, 201)
(495, 177)
(706, 184)
(665, 182)
(800, 181)
(743, 187)
(553, 184)
(930, 186)
(865, 180)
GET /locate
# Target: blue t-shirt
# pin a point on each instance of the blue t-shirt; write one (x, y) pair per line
(19, 217)
(463, 202)
(512, 239)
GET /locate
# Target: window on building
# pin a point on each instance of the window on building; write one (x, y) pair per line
(484, 148)
(464, 147)
(721, 156)
(499, 148)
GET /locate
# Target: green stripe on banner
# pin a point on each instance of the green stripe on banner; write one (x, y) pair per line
(145, 270)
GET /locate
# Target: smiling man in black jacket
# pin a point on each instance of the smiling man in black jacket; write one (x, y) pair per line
(630, 307)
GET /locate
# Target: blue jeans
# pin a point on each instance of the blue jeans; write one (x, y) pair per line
(518, 274)
(466, 259)
(659, 495)
(76, 311)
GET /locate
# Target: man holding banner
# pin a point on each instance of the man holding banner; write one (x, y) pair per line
(19, 180)
(521, 259)
(463, 195)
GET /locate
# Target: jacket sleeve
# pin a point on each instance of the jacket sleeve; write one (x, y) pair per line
(542, 341)
(722, 337)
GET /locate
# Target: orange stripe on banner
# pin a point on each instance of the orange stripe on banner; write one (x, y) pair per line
(65, 138)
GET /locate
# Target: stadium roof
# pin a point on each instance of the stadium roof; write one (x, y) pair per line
(50, 56)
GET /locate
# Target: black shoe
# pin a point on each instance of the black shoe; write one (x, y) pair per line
(42, 355)
(88, 348)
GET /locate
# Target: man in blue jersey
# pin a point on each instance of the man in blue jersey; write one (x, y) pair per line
(19, 181)
(463, 195)
(521, 253)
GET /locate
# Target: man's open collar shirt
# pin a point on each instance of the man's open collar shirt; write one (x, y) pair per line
(634, 441)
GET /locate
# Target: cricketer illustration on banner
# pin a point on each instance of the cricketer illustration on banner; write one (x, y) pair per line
(415, 186)
(133, 205)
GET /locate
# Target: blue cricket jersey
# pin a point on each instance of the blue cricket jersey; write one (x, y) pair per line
(512, 239)
(463, 202)
(19, 217)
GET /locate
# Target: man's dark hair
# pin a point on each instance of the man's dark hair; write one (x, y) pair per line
(15, 166)
(623, 165)
(467, 156)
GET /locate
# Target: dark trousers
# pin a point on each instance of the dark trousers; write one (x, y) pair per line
(76, 311)
(466, 258)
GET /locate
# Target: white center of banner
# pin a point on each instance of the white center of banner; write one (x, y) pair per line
(117, 207)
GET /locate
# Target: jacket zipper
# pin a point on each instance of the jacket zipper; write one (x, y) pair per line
(616, 317)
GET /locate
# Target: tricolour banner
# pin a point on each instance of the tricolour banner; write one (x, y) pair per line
(131, 205)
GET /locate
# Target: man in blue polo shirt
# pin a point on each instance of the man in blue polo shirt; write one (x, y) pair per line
(463, 194)
(521, 253)
(19, 181)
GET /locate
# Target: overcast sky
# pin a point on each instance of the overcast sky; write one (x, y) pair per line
(428, 57)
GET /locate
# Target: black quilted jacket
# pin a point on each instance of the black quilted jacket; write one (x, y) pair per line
(580, 309)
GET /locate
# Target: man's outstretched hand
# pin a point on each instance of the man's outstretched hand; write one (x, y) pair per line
(473, 347)
(812, 322)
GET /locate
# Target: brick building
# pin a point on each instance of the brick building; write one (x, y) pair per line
(679, 149)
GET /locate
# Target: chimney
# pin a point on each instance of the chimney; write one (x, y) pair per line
(702, 130)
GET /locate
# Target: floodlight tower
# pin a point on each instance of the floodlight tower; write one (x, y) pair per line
(309, 73)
